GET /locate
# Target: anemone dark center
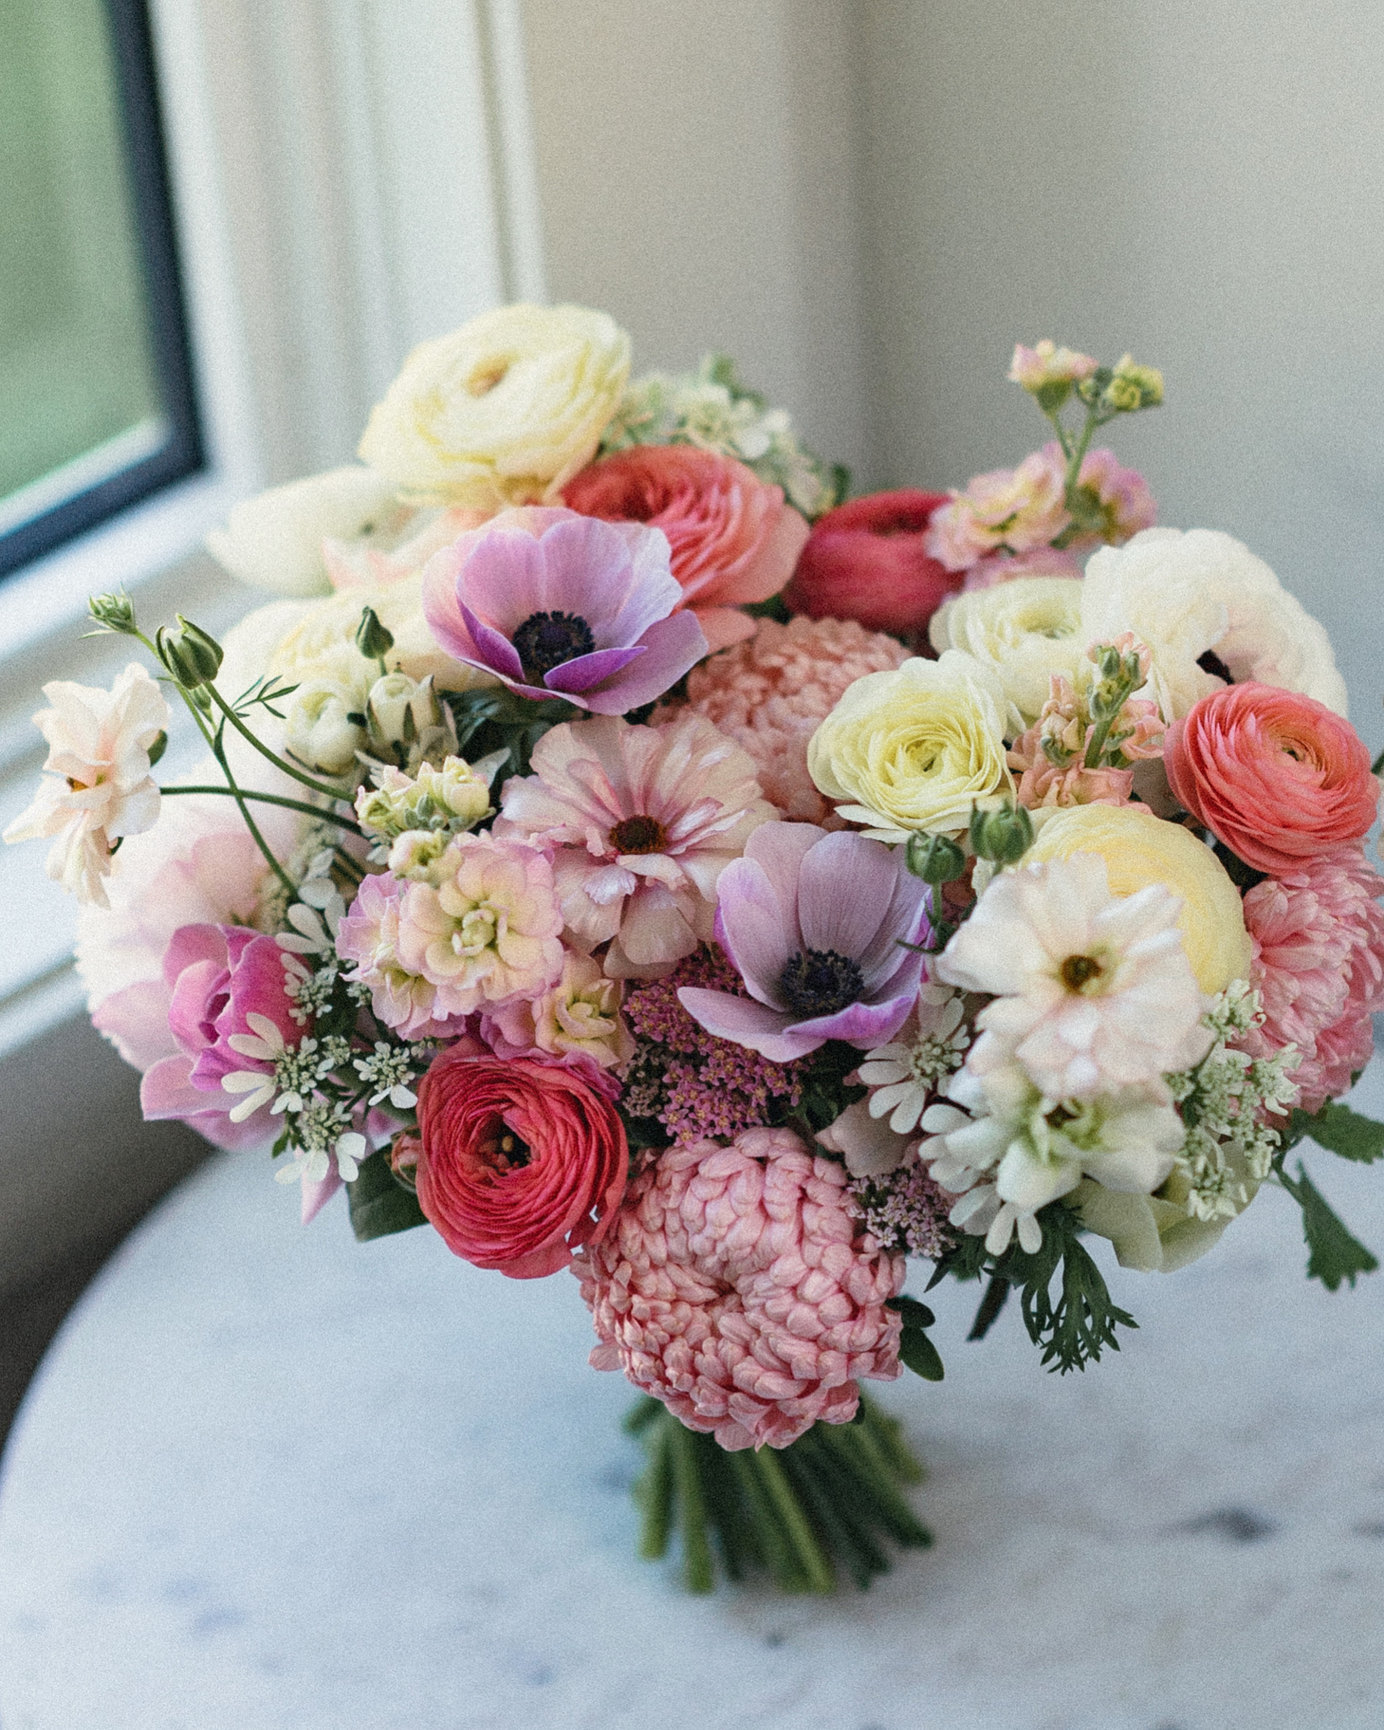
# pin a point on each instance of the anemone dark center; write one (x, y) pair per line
(1211, 662)
(819, 982)
(1078, 971)
(638, 835)
(546, 640)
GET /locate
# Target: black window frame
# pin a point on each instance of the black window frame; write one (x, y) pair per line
(183, 452)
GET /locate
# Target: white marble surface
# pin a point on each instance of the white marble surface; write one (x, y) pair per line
(269, 1479)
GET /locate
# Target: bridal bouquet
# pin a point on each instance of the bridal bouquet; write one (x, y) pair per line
(621, 855)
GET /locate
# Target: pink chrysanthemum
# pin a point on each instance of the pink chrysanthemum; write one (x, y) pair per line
(770, 695)
(736, 1287)
(1318, 966)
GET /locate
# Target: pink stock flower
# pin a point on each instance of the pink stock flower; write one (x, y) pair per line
(1018, 509)
(733, 539)
(1047, 364)
(1050, 758)
(1122, 496)
(1318, 935)
(821, 927)
(640, 823)
(561, 605)
(1004, 567)
(737, 1288)
(578, 1017)
(771, 693)
(368, 935)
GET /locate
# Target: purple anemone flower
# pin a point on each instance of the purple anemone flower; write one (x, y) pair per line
(561, 605)
(816, 924)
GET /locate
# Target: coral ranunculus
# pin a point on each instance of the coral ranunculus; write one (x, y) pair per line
(1275, 775)
(521, 1160)
(733, 539)
(868, 561)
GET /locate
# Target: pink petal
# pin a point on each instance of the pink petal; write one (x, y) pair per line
(746, 1022)
(585, 671)
(503, 577)
(497, 651)
(317, 1195)
(674, 647)
(136, 1021)
(780, 849)
(845, 886)
(859, 1024)
(724, 626)
(755, 927)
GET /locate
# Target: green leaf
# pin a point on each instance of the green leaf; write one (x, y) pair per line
(1340, 1131)
(914, 1314)
(1333, 1254)
(380, 1204)
(917, 1353)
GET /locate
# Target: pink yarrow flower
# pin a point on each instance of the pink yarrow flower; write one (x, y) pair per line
(1318, 935)
(561, 605)
(736, 1286)
(819, 926)
(640, 823)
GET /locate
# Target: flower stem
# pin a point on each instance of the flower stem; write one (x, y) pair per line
(275, 799)
(218, 751)
(228, 711)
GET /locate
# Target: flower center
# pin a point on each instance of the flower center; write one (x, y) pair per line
(639, 835)
(486, 376)
(502, 1149)
(1080, 971)
(819, 982)
(547, 640)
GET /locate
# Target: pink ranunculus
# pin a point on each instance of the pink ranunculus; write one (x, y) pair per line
(1318, 934)
(737, 1287)
(869, 561)
(520, 1160)
(1275, 775)
(733, 538)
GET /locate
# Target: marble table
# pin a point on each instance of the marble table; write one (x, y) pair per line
(269, 1479)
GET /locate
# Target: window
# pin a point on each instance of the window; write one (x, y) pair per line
(96, 400)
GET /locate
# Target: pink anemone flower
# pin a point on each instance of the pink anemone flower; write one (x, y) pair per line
(560, 605)
(824, 929)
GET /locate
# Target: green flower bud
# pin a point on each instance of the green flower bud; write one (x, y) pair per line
(1133, 386)
(935, 858)
(1002, 835)
(373, 639)
(114, 613)
(190, 655)
(157, 749)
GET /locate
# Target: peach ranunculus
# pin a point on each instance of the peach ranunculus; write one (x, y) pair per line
(733, 539)
(521, 1160)
(1275, 775)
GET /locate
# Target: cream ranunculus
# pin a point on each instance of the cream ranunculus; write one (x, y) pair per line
(1159, 1233)
(1026, 630)
(1187, 593)
(1139, 848)
(320, 731)
(502, 412)
(915, 749)
(274, 541)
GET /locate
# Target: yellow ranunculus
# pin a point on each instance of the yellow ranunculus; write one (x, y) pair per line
(1138, 849)
(916, 748)
(502, 412)
(1026, 630)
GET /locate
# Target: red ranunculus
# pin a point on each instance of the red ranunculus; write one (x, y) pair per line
(1275, 775)
(867, 560)
(733, 538)
(520, 1161)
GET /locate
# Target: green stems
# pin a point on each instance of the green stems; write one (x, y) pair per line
(287, 768)
(275, 799)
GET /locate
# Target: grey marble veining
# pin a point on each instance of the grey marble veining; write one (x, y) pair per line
(269, 1480)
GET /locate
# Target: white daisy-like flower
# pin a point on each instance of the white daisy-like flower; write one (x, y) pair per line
(904, 1075)
(100, 788)
(313, 1165)
(1093, 992)
(264, 1044)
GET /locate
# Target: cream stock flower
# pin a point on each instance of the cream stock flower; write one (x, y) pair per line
(1026, 630)
(1139, 849)
(503, 411)
(101, 791)
(914, 749)
(1189, 593)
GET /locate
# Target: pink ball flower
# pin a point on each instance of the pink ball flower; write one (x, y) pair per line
(1318, 935)
(520, 1160)
(771, 693)
(640, 823)
(1273, 774)
(733, 538)
(737, 1287)
(869, 560)
(560, 605)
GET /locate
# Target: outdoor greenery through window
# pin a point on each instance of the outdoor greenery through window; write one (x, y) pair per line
(96, 408)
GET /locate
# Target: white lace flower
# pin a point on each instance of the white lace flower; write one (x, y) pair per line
(904, 1075)
(1093, 992)
(101, 790)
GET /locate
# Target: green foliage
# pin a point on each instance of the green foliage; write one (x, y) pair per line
(1333, 1255)
(1340, 1131)
(380, 1204)
(501, 720)
(916, 1350)
(825, 1094)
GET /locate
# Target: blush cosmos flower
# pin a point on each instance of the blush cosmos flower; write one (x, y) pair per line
(561, 605)
(1273, 774)
(736, 1287)
(818, 925)
(101, 789)
(869, 561)
(733, 539)
(640, 822)
(520, 1160)
(1093, 992)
